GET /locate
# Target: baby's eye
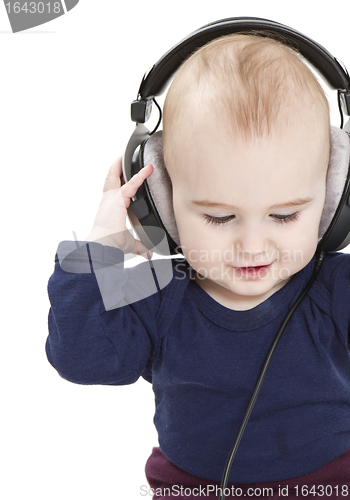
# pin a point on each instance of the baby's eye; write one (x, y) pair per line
(285, 218)
(218, 220)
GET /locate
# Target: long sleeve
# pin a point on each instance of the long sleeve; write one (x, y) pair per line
(103, 318)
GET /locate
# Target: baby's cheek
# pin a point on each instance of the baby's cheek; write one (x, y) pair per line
(299, 253)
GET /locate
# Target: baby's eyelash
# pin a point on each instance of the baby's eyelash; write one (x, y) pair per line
(281, 219)
(218, 220)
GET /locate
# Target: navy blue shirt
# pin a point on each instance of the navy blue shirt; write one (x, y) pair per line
(203, 360)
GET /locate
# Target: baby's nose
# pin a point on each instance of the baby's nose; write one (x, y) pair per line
(251, 242)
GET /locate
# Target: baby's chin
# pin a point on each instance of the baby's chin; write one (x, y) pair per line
(241, 293)
(250, 288)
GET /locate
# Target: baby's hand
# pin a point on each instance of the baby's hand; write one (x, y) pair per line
(109, 227)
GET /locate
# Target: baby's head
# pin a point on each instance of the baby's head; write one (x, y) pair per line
(246, 141)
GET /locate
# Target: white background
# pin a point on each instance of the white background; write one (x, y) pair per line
(66, 89)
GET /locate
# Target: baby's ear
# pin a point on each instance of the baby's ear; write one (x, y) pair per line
(159, 183)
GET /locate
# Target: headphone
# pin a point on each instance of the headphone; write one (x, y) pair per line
(151, 210)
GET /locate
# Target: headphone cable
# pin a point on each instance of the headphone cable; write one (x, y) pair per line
(319, 261)
(159, 118)
(340, 110)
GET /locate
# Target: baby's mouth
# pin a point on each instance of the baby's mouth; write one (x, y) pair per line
(253, 271)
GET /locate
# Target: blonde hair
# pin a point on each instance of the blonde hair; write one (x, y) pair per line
(252, 82)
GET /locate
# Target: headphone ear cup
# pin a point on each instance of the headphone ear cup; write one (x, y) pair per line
(333, 229)
(159, 184)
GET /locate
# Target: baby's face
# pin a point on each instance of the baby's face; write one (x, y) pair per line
(248, 213)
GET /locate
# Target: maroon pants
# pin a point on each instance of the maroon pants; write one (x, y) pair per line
(168, 481)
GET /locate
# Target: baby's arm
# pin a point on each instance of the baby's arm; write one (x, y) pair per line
(88, 344)
(102, 326)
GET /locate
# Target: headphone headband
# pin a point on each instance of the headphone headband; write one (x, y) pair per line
(151, 207)
(156, 80)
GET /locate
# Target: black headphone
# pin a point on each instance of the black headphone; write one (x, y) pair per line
(151, 211)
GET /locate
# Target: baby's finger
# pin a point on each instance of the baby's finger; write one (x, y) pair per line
(142, 250)
(129, 189)
(113, 177)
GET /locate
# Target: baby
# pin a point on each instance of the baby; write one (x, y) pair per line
(247, 148)
(246, 141)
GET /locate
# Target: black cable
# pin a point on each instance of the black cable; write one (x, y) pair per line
(160, 116)
(224, 481)
(340, 109)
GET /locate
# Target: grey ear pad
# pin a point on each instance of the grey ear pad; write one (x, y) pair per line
(160, 187)
(159, 184)
(336, 176)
